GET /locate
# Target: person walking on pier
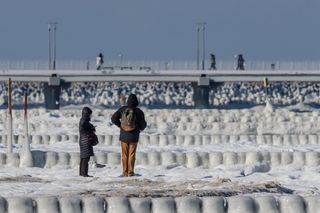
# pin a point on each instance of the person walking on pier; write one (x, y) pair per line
(130, 119)
(212, 62)
(99, 61)
(240, 64)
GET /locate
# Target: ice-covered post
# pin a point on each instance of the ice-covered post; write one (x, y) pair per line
(26, 157)
(10, 136)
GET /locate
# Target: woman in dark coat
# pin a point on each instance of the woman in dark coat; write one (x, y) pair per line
(86, 149)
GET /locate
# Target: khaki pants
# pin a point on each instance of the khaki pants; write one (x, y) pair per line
(128, 153)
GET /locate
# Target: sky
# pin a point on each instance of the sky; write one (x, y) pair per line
(161, 29)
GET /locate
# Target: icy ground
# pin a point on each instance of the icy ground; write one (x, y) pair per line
(174, 179)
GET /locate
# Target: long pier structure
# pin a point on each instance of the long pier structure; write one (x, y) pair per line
(202, 80)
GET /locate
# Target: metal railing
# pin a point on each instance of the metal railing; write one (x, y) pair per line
(158, 65)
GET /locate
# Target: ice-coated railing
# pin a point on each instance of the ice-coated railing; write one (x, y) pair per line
(262, 161)
(97, 204)
(157, 65)
(178, 140)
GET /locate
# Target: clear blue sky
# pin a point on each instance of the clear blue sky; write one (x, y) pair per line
(161, 29)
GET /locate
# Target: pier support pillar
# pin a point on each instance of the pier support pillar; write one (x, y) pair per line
(52, 90)
(201, 91)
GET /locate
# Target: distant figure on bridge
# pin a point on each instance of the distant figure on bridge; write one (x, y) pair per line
(240, 64)
(212, 62)
(99, 61)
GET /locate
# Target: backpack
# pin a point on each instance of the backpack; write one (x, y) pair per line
(128, 120)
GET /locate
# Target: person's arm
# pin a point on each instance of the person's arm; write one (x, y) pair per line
(142, 122)
(115, 119)
(85, 126)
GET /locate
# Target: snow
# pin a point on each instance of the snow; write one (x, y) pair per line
(230, 132)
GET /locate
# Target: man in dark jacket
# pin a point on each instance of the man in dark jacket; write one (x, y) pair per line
(86, 150)
(129, 139)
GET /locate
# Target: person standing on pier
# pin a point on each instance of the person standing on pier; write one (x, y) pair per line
(99, 61)
(240, 64)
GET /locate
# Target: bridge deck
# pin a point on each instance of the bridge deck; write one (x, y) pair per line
(161, 75)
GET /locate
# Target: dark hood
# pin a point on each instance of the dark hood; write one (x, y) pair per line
(86, 112)
(132, 101)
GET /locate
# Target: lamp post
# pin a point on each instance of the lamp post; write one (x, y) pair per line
(201, 27)
(52, 27)
(198, 46)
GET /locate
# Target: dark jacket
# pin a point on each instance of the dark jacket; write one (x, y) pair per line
(85, 128)
(133, 136)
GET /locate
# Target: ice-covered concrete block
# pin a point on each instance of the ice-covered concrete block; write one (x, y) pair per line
(63, 159)
(142, 158)
(240, 204)
(55, 138)
(3, 158)
(313, 139)
(47, 205)
(36, 139)
(163, 205)
(168, 158)
(213, 205)
(115, 140)
(303, 139)
(204, 159)
(225, 139)
(206, 139)
(188, 205)
(189, 140)
(101, 139)
(20, 205)
(13, 159)
(266, 204)
(107, 140)
(215, 159)
(299, 158)
(140, 205)
(118, 205)
(261, 140)
(74, 159)
(45, 139)
(93, 204)
(193, 160)
(101, 157)
(198, 140)
(286, 158)
(172, 140)
(154, 140)
(74, 138)
(70, 205)
(216, 139)
(179, 140)
(114, 158)
(312, 204)
(154, 158)
(268, 139)
(3, 205)
(51, 159)
(294, 139)
(291, 204)
(144, 140)
(181, 158)
(253, 158)
(277, 140)
(234, 138)
(230, 158)
(287, 140)
(275, 158)
(312, 159)
(163, 140)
